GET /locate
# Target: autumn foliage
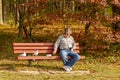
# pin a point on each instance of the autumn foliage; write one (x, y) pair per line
(92, 14)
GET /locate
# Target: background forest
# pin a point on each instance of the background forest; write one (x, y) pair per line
(95, 23)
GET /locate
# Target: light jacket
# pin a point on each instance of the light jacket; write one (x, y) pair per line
(64, 43)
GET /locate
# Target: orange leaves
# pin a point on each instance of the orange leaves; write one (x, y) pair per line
(97, 39)
(35, 3)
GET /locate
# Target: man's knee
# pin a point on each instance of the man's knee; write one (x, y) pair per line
(77, 57)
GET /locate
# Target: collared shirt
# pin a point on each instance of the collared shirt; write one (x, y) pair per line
(64, 43)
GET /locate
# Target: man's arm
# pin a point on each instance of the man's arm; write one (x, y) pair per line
(73, 45)
(56, 45)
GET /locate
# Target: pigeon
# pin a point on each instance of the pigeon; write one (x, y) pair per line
(49, 55)
(24, 54)
(36, 53)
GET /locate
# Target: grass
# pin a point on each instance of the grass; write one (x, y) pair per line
(99, 70)
(100, 67)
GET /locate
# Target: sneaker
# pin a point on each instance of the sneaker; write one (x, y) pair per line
(66, 68)
(69, 68)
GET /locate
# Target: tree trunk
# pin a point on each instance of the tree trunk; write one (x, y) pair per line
(61, 7)
(21, 20)
(87, 26)
(1, 14)
(73, 6)
(20, 27)
(64, 6)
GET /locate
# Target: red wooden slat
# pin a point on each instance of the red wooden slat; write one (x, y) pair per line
(32, 51)
(38, 57)
(35, 48)
(33, 44)
(36, 44)
(40, 51)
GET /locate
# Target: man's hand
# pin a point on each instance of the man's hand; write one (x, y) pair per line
(72, 49)
(54, 52)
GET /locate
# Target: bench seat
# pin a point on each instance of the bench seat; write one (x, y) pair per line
(43, 49)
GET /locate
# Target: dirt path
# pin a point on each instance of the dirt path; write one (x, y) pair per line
(49, 72)
(56, 72)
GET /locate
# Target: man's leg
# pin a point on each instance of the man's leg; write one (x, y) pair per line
(64, 56)
(74, 57)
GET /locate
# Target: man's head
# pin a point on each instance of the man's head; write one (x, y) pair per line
(67, 32)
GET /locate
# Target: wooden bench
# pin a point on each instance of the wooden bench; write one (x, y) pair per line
(43, 48)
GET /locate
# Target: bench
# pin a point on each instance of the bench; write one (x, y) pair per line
(43, 48)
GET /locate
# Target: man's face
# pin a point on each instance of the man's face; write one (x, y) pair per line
(67, 35)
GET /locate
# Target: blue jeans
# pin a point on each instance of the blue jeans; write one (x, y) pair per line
(64, 56)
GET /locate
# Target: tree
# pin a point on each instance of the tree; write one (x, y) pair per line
(1, 13)
(28, 13)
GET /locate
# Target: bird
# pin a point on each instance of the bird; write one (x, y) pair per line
(49, 55)
(24, 54)
(36, 53)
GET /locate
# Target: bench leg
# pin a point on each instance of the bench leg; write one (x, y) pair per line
(29, 63)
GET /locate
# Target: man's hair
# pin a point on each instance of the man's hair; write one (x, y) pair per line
(67, 31)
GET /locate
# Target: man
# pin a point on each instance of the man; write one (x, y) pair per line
(67, 45)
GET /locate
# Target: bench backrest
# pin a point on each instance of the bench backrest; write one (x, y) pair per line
(32, 47)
